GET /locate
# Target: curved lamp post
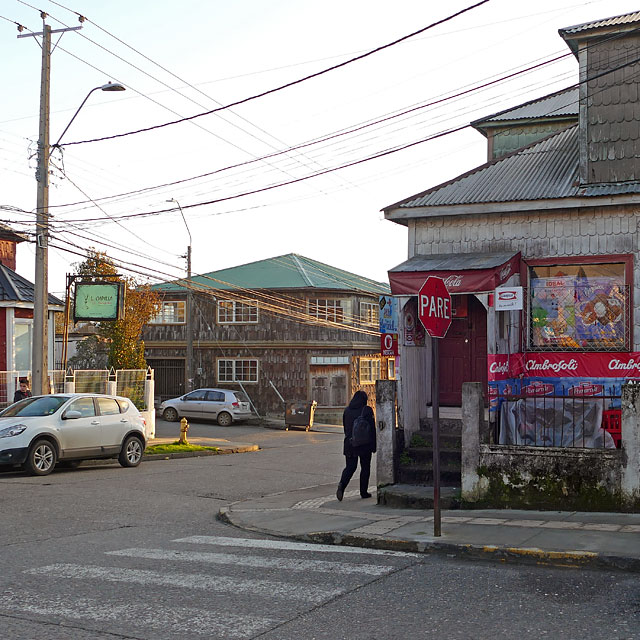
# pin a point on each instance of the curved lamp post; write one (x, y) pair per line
(40, 354)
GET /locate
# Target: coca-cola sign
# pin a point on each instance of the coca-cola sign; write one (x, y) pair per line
(453, 281)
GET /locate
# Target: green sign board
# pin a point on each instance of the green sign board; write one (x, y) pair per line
(98, 301)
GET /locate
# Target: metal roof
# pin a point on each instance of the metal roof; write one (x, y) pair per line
(15, 288)
(458, 262)
(290, 271)
(558, 104)
(545, 169)
(626, 18)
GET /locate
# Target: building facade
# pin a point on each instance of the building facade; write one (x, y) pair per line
(286, 329)
(556, 211)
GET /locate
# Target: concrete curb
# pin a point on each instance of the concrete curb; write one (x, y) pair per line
(198, 454)
(490, 553)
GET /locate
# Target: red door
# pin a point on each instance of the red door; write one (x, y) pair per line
(463, 353)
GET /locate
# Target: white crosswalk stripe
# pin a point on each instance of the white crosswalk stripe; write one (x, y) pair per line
(292, 546)
(185, 620)
(225, 584)
(291, 564)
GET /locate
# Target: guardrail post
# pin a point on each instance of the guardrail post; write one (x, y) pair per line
(386, 393)
(472, 415)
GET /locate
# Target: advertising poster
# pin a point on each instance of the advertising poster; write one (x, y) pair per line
(413, 330)
(388, 314)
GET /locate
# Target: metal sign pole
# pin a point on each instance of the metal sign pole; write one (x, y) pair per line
(435, 405)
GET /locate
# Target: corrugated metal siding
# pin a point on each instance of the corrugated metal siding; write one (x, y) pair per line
(457, 262)
(547, 169)
(627, 18)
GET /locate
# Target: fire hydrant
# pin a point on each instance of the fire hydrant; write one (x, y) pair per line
(184, 427)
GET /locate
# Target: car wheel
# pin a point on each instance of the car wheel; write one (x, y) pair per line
(224, 419)
(41, 458)
(131, 452)
(170, 415)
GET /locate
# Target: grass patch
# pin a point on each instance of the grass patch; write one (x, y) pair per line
(176, 447)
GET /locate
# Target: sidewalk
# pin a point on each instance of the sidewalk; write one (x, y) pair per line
(568, 539)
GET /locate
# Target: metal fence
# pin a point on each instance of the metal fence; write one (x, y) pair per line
(129, 383)
(571, 421)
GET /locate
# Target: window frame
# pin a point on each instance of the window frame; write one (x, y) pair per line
(161, 313)
(340, 304)
(222, 362)
(589, 260)
(371, 379)
(250, 304)
(365, 317)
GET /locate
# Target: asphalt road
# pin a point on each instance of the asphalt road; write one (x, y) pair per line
(104, 552)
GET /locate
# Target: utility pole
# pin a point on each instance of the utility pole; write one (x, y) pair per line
(40, 346)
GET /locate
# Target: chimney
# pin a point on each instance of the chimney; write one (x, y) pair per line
(608, 52)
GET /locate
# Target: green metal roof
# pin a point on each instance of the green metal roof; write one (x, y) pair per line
(290, 271)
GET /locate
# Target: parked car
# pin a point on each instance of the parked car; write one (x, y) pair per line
(41, 431)
(224, 405)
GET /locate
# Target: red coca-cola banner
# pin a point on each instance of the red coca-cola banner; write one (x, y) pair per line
(563, 365)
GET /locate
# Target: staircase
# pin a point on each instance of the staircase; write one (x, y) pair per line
(416, 461)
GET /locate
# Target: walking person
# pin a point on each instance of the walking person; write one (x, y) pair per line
(23, 392)
(357, 407)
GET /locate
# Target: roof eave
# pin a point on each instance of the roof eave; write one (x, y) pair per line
(402, 215)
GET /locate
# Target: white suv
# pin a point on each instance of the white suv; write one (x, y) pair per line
(38, 432)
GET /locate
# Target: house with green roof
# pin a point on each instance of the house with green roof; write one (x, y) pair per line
(285, 329)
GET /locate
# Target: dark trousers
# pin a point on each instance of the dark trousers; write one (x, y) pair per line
(350, 469)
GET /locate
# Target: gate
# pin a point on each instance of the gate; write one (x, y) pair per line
(169, 376)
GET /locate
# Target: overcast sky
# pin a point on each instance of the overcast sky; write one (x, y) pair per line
(182, 59)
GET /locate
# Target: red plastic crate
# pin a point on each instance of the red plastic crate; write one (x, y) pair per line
(612, 422)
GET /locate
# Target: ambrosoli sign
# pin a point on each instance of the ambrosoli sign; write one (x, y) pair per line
(98, 301)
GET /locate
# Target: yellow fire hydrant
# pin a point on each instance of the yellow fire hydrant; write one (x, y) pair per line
(184, 427)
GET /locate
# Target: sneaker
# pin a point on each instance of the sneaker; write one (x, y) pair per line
(365, 495)
(340, 492)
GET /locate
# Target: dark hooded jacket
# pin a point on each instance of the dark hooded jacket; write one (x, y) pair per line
(355, 408)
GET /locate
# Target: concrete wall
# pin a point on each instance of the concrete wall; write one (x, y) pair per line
(551, 477)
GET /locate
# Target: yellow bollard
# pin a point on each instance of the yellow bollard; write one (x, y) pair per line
(184, 427)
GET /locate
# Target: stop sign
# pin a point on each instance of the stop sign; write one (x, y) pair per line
(434, 307)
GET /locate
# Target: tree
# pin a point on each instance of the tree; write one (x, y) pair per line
(126, 348)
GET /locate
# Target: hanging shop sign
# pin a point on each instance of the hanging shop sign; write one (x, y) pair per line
(98, 301)
(388, 314)
(508, 299)
(389, 344)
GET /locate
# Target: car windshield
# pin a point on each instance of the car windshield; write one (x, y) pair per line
(40, 406)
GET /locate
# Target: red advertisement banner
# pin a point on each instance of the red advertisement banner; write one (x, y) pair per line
(563, 365)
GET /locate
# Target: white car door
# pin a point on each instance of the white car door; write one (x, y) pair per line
(114, 424)
(212, 405)
(80, 436)
(191, 404)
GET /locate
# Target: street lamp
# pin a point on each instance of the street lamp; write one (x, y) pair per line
(188, 319)
(40, 354)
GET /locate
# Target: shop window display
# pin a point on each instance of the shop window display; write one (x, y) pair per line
(580, 306)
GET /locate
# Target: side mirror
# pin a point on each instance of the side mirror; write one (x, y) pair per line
(72, 415)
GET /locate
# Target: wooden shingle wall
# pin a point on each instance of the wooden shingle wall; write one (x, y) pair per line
(567, 232)
(612, 132)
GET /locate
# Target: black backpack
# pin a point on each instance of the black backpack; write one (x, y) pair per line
(361, 431)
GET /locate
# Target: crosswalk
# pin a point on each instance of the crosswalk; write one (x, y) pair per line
(197, 586)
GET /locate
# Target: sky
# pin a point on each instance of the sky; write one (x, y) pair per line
(269, 176)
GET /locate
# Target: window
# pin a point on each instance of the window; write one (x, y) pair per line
(84, 406)
(195, 396)
(235, 312)
(215, 396)
(22, 340)
(332, 310)
(237, 370)
(370, 313)
(578, 307)
(391, 369)
(369, 370)
(108, 407)
(170, 313)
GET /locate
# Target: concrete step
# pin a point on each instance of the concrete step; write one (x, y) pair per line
(406, 496)
(450, 476)
(424, 439)
(425, 454)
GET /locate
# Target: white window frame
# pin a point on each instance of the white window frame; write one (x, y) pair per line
(235, 311)
(330, 309)
(370, 313)
(162, 315)
(368, 369)
(391, 369)
(233, 363)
